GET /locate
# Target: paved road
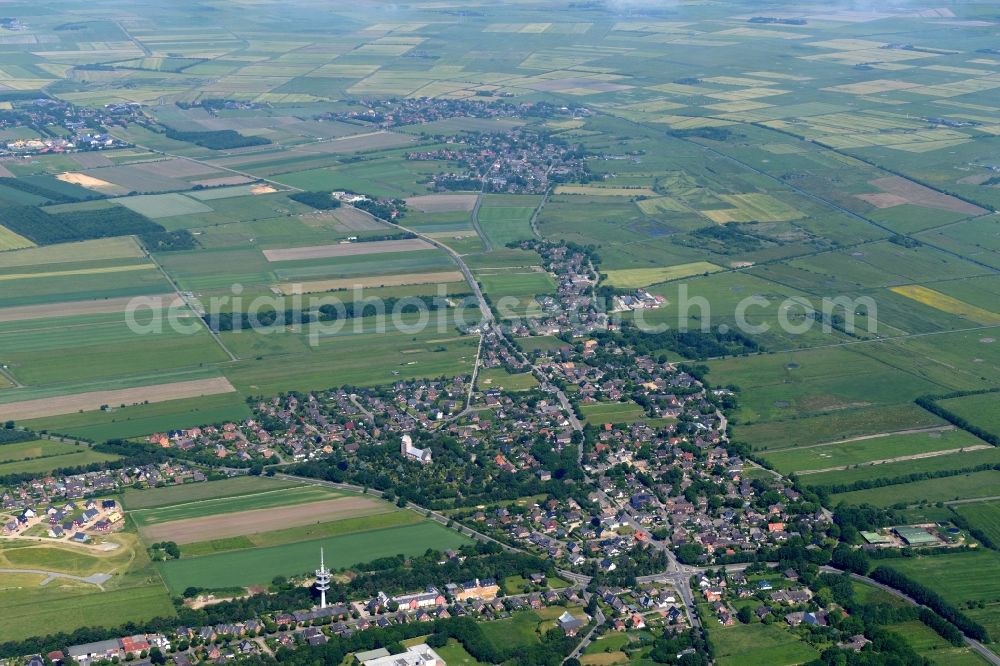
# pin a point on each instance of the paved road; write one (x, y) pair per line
(487, 244)
(585, 641)
(98, 579)
(354, 401)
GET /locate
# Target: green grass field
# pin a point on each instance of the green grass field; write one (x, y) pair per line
(758, 645)
(826, 456)
(193, 492)
(979, 410)
(613, 412)
(260, 565)
(498, 378)
(506, 218)
(139, 420)
(966, 486)
(960, 578)
(950, 461)
(929, 644)
(841, 424)
(982, 515)
(388, 519)
(44, 455)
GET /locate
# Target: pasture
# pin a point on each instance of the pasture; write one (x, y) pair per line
(145, 419)
(960, 578)
(950, 488)
(44, 455)
(166, 496)
(758, 645)
(870, 449)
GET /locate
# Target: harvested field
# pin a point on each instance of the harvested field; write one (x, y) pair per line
(104, 249)
(12, 241)
(74, 308)
(69, 404)
(596, 191)
(83, 271)
(91, 160)
(903, 191)
(443, 203)
(83, 180)
(225, 180)
(346, 249)
(352, 219)
(356, 143)
(372, 281)
(228, 525)
(262, 189)
(177, 168)
(883, 199)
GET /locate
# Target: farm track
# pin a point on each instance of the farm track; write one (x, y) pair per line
(11, 378)
(194, 307)
(915, 456)
(860, 438)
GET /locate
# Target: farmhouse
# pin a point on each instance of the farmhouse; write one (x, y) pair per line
(915, 536)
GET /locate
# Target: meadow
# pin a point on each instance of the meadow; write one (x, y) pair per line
(946, 489)
(612, 412)
(960, 578)
(44, 455)
(874, 448)
(140, 420)
(758, 645)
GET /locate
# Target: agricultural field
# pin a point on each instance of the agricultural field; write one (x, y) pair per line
(222, 526)
(871, 449)
(984, 516)
(498, 378)
(979, 410)
(259, 565)
(44, 455)
(719, 158)
(973, 485)
(962, 579)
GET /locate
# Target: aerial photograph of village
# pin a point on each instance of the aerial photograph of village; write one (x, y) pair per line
(513, 332)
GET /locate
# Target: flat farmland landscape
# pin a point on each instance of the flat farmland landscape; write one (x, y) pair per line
(696, 267)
